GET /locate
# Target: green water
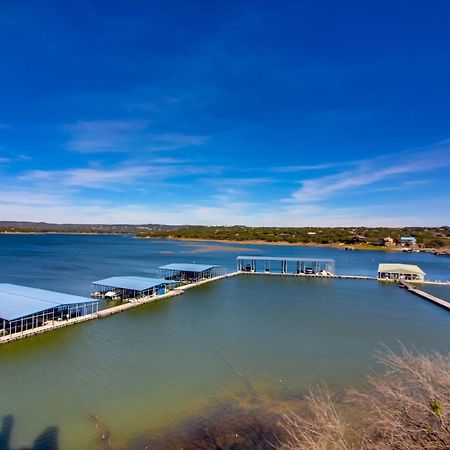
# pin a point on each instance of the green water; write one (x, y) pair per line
(252, 341)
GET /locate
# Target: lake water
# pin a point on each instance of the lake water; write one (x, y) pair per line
(254, 342)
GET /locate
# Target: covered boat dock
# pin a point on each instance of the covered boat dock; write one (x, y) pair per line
(24, 308)
(190, 273)
(130, 287)
(285, 265)
(400, 272)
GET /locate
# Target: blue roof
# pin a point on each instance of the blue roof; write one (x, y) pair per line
(187, 267)
(133, 283)
(21, 301)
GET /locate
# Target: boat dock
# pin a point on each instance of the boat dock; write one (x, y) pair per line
(285, 265)
(177, 278)
(55, 325)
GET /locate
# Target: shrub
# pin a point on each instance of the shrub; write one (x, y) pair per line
(406, 408)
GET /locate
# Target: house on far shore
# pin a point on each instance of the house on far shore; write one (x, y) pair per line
(388, 242)
(408, 241)
(400, 272)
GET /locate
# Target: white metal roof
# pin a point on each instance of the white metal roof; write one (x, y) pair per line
(400, 268)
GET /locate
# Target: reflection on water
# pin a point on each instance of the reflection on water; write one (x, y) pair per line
(183, 369)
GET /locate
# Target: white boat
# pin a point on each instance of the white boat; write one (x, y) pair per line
(111, 295)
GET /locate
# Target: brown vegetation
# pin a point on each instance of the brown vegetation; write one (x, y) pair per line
(407, 408)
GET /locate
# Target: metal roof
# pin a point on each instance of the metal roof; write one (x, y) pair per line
(187, 267)
(21, 301)
(133, 283)
(400, 268)
(282, 258)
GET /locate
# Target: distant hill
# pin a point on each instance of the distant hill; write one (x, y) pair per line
(21, 227)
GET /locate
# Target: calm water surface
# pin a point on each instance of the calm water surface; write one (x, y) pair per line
(254, 341)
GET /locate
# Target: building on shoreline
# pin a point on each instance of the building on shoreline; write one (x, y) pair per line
(130, 287)
(408, 241)
(24, 308)
(190, 273)
(400, 272)
(388, 242)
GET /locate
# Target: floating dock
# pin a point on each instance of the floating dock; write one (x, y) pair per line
(431, 298)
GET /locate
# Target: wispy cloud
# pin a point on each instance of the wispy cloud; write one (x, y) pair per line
(23, 198)
(115, 136)
(104, 135)
(88, 177)
(113, 177)
(172, 141)
(310, 167)
(14, 159)
(240, 182)
(370, 172)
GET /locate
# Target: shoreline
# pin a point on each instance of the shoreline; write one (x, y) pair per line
(223, 241)
(279, 243)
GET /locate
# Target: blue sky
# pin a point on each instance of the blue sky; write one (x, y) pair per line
(225, 112)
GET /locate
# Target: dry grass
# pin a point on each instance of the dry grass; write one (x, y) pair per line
(322, 427)
(407, 408)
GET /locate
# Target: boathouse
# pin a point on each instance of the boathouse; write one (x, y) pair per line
(400, 272)
(190, 273)
(130, 287)
(286, 265)
(24, 308)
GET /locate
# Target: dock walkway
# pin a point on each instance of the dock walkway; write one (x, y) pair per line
(431, 298)
(312, 275)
